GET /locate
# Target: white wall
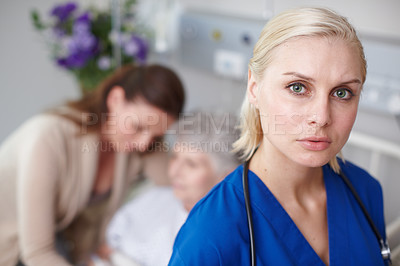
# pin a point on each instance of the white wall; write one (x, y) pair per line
(372, 17)
(30, 82)
(376, 17)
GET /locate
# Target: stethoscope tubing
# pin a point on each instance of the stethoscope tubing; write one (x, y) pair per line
(249, 213)
(385, 250)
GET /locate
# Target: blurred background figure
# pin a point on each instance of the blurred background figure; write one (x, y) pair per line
(63, 173)
(145, 228)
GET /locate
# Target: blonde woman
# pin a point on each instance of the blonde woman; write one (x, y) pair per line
(304, 83)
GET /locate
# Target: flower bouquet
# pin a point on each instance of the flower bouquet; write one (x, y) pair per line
(84, 42)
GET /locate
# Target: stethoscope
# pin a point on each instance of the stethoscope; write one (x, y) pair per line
(385, 250)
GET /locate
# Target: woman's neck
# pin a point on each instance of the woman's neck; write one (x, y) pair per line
(286, 178)
(301, 192)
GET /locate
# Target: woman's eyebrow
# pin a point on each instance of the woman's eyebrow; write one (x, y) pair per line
(296, 74)
(352, 81)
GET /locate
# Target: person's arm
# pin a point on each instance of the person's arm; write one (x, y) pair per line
(38, 174)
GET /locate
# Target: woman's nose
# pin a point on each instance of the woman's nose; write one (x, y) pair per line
(319, 114)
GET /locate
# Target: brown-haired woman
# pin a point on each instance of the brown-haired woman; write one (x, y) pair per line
(64, 173)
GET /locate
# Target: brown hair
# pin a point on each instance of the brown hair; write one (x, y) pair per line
(156, 84)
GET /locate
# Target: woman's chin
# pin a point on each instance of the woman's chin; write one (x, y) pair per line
(314, 161)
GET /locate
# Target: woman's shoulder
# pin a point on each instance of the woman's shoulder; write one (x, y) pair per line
(225, 191)
(218, 212)
(38, 127)
(48, 123)
(45, 131)
(369, 190)
(359, 177)
(219, 218)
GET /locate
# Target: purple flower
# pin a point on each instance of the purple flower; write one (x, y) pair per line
(82, 24)
(82, 42)
(73, 61)
(131, 48)
(63, 11)
(136, 47)
(77, 59)
(80, 28)
(104, 62)
(58, 32)
(75, 45)
(81, 48)
(85, 17)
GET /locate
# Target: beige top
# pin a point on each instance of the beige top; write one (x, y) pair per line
(47, 171)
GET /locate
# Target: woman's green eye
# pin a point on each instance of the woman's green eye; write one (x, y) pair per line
(297, 88)
(342, 93)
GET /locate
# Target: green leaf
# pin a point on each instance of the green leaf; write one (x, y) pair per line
(101, 28)
(90, 76)
(37, 22)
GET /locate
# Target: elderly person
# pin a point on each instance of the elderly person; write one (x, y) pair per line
(64, 173)
(144, 229)
(292, 204)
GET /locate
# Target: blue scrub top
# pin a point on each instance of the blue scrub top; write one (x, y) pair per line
(216, 231)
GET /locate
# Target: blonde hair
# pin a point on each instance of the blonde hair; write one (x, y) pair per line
(301, 22)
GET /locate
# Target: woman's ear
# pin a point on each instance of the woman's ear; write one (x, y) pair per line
(115, 99)
(252, 89)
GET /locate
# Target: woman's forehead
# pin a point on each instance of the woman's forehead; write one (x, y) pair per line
(313, 55)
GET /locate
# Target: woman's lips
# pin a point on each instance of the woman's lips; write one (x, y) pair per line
(315, 143)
